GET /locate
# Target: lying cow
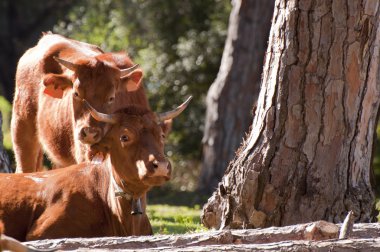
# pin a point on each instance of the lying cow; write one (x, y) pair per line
(52, 78)
(93, 199)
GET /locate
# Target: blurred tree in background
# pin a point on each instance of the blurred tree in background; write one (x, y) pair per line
(234, 93)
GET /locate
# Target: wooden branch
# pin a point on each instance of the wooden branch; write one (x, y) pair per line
(347, 226)
(313, 236)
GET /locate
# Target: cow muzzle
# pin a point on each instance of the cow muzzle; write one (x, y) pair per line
(154, 172)
(160, 168)
(89, 135)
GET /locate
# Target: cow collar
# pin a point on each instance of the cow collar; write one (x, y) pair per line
(123, 193)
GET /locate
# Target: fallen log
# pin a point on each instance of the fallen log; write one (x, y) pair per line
(315, 236)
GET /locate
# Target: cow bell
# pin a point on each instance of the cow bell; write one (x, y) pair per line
(136, 206)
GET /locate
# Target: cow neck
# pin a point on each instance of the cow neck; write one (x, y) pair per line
(121, 191)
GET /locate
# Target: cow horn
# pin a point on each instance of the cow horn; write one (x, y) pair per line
(112, 118)
(65, 63)
(126, 71)
(175, 112)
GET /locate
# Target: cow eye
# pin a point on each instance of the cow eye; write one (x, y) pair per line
(76, 95)
(111, 99)
(124, 138)
(163, 135)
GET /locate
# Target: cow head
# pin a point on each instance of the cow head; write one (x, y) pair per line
(135, 143)
(95, 80)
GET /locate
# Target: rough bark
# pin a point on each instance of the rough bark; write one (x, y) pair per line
(291, 238)
(236, 88)
(5, 166)
(308, 156)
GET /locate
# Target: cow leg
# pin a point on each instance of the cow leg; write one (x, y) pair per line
(24, 136)
(26, 147)
(47, 226)
(40, 158)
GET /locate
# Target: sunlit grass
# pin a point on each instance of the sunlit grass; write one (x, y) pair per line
(6, 110)
(167, 219)
(377, 206)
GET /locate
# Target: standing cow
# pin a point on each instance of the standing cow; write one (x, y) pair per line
(52, 78)
(93, 199)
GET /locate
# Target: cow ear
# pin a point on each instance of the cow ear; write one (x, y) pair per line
(166, 126)
(55, 84)
(132, 81)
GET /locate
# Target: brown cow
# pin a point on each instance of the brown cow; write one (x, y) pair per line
(92, 199)
(51, 80)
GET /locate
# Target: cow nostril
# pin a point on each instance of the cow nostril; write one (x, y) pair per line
(89, 135)
(155, 164)
(83, 133)
(96, 135)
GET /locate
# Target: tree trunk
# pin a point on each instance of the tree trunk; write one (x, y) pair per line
(5, 166)
(308, 156)
(235, 90)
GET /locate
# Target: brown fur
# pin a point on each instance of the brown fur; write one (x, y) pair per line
(41, 122)
(10, 244)
(79, 201)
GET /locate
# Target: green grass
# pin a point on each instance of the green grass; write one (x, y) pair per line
(6, 111)
(172, 211)
(167, 219)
